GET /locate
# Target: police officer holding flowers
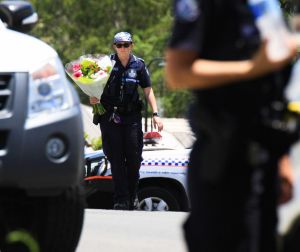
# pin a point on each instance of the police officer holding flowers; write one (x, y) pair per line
(121, 125)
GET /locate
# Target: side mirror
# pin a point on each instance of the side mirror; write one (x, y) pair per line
(18, 15)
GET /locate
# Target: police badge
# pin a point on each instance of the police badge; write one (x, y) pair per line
(132, 73)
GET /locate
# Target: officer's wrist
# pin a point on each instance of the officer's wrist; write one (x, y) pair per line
(155, 114)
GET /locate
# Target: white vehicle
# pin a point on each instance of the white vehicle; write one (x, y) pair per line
(162, 185)
(163, 180)
(41, 151)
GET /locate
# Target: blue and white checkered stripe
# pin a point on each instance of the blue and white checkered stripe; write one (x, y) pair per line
(165, 162)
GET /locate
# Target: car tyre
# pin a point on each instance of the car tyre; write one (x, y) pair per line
(157, 199)
(54, 222)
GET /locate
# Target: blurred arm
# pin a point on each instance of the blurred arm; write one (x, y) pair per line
(286, 179)
(184, 70)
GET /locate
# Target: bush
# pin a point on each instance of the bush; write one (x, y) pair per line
(95, 143)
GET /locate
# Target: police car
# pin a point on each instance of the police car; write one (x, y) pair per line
(162, 185)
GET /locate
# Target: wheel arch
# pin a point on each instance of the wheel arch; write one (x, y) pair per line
(169, 184)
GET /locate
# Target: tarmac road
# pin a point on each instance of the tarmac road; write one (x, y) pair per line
(132, 231)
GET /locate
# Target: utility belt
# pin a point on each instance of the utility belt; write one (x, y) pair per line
(224, 134)
(281, 123)
(129, 109)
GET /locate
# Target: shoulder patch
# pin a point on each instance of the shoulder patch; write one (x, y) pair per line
(187, 10)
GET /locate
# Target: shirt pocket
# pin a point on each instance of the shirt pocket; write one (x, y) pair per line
(130, 85)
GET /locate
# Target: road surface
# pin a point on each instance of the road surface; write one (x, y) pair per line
(132, 231)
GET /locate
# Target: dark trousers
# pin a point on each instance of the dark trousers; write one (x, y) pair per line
(234, 211)
(123, 144)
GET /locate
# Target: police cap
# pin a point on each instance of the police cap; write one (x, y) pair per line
(122, 37)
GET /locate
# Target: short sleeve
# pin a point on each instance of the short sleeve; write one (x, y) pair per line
(188, 26)
(144, 76)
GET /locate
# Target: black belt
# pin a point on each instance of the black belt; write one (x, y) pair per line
(123, 110)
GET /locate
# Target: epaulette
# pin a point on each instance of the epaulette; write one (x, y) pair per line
(138, 59)
(141, 60)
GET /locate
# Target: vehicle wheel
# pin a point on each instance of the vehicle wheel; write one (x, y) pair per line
(157, 199)
(54, 223)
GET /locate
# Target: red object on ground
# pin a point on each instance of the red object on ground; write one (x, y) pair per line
(151, 135)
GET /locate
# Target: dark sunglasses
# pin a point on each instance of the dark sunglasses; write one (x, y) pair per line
(125, 45)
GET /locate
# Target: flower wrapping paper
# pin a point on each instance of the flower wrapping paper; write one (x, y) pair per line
(90, 73)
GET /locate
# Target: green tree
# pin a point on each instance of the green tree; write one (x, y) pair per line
(78, 27)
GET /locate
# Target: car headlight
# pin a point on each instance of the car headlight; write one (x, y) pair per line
(48, 89)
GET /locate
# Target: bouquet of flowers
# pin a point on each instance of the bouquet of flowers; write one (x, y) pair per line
(90, 73)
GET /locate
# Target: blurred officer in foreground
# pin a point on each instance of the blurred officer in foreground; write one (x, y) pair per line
(215, 50)
(121, 125)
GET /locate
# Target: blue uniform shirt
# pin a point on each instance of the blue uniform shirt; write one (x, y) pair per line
(121, 88)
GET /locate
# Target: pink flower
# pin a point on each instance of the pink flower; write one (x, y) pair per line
(78, 74)
(76, 67)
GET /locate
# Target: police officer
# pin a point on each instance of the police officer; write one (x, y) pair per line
(121, 125)
(215, 50)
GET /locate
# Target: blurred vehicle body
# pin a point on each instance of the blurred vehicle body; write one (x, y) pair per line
(41, 138)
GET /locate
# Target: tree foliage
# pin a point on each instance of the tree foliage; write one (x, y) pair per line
(289, 6)
(77, 27)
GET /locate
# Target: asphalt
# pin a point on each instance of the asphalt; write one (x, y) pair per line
(132, 231)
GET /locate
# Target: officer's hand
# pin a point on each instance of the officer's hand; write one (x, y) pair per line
(157, 122)
(263, 64)
(94, 100)
(286, 180)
